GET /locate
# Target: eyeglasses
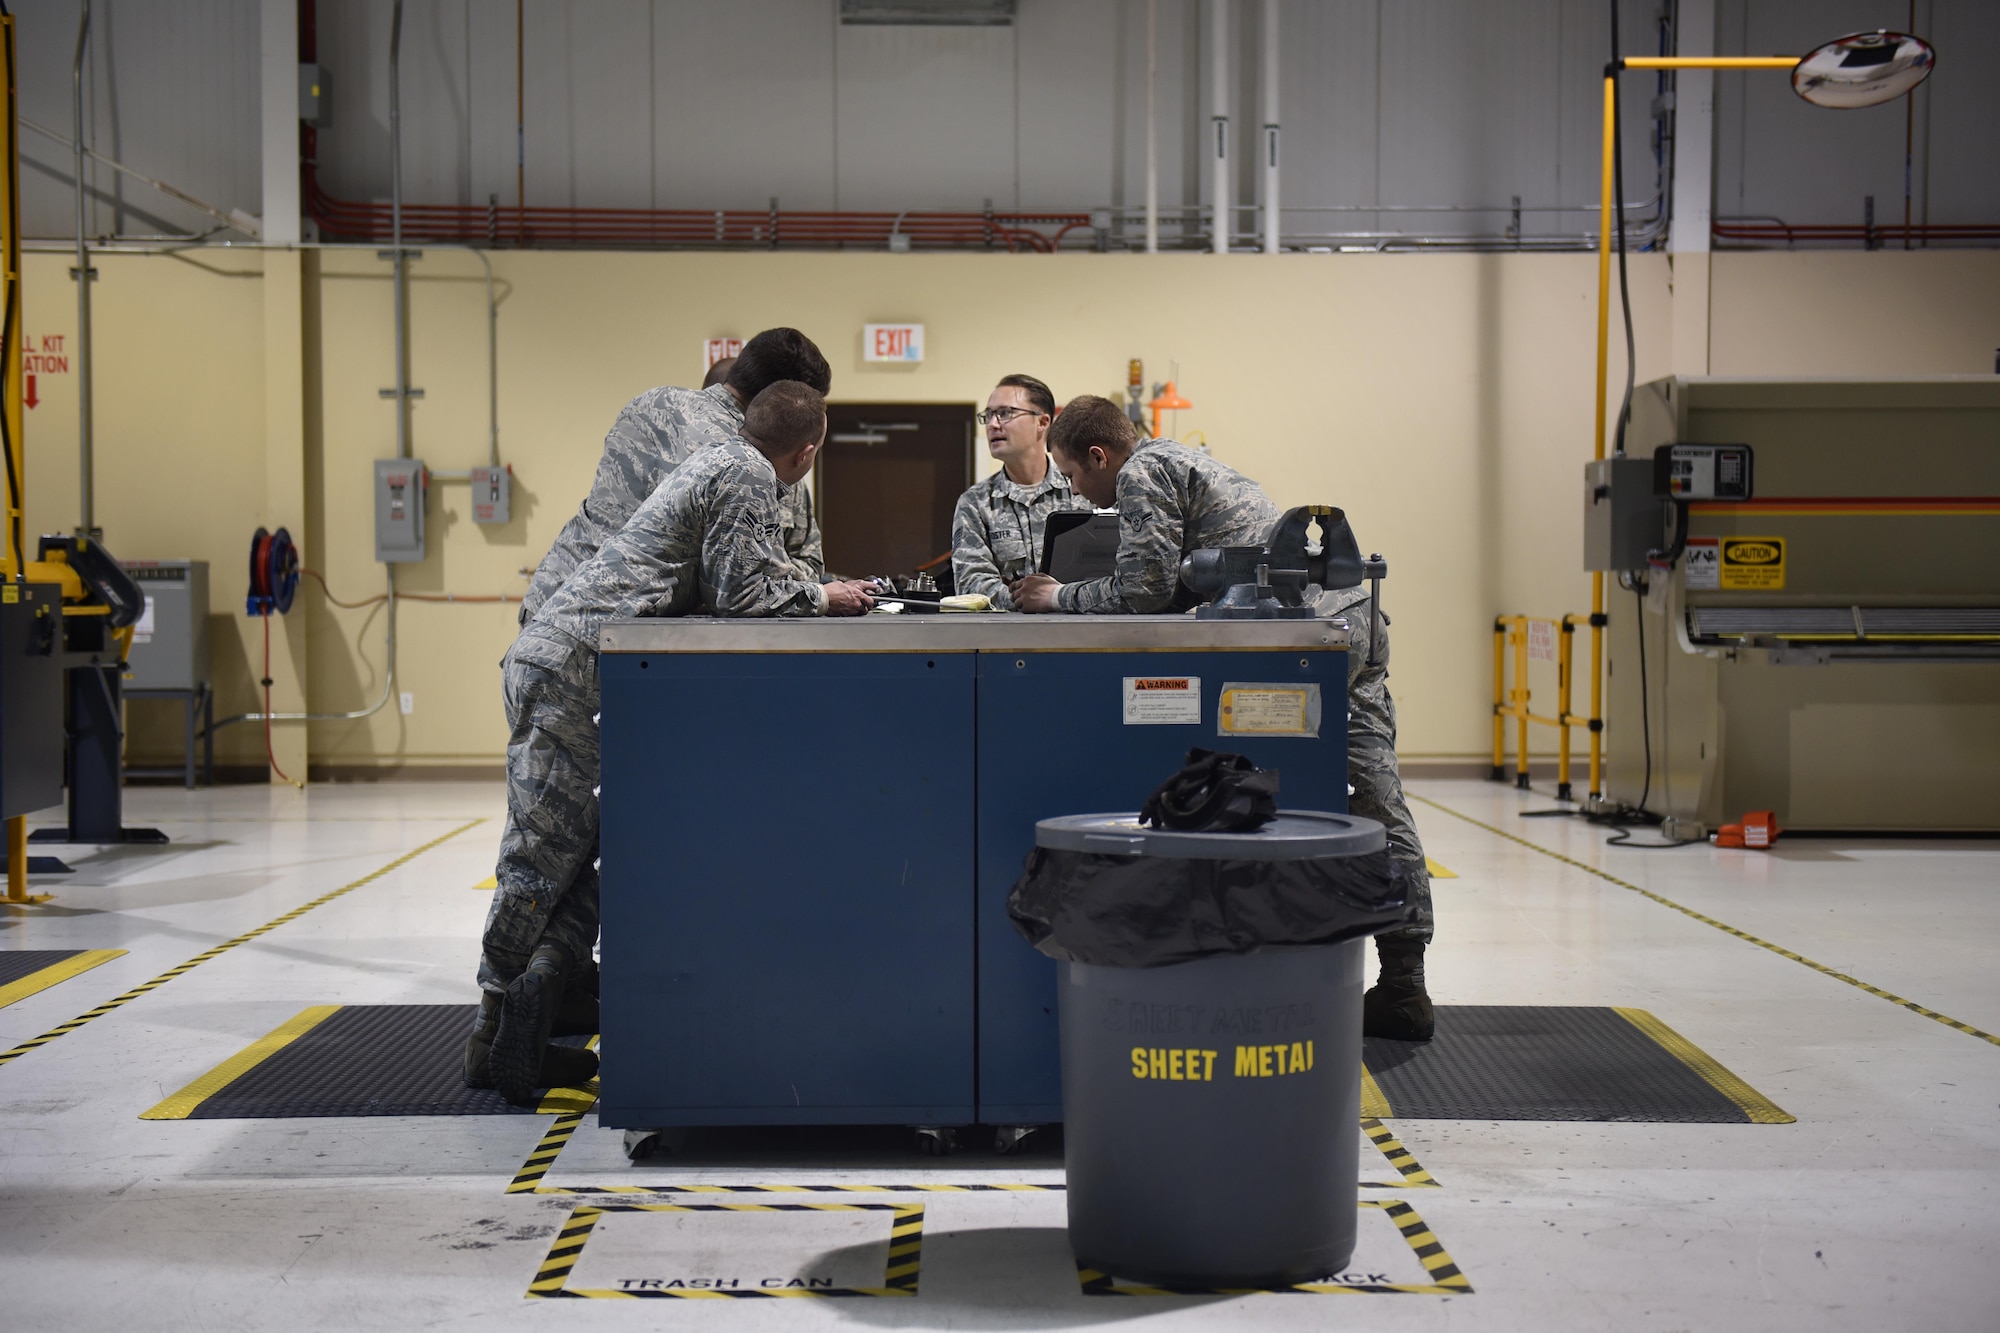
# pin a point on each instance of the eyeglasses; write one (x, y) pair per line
(1000, 416)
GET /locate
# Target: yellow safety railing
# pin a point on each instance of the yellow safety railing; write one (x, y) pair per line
(1510, 700)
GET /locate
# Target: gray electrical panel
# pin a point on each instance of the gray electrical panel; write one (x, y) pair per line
(492, 494)
(401, 487)
(1622, 518)
(315, 103)
(170, 642)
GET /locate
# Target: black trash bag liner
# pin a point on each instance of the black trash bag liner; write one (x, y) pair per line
(1149, 911)
(1215, 792)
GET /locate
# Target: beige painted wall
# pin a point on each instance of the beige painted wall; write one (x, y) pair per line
(1444, 401)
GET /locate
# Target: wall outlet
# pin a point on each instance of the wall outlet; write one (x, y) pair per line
(408, 701)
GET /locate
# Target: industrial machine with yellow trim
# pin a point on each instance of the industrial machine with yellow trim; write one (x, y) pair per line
(1827, 649)
(66, 616)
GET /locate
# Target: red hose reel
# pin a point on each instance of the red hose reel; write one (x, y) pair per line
(274, 573)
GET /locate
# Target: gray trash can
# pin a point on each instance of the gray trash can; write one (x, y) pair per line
(1211, 1103)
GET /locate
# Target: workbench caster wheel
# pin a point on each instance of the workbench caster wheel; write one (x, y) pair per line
(936, 1140)
(641, 1144)
(1008, 1139)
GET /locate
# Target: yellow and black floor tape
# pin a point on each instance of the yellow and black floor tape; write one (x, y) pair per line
(60, 969)
(1439, 1267)
(118, 1002)
(906, 1238)
(1413, 1173)
(1722, 926)
(528, 1180)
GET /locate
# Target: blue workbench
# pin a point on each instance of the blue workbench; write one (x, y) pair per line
(811, 827)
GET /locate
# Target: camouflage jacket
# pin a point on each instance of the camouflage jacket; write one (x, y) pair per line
(996, 531)
(655, 433)
(708, 541)
(1171, 500)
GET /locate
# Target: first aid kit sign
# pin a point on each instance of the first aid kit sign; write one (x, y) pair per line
(892, 342)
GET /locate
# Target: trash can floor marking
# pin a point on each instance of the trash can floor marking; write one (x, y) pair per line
(1442, 1272)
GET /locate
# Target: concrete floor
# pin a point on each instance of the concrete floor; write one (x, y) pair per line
(1878, 1209)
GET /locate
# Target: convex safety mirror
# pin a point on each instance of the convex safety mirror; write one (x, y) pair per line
(1863, 69)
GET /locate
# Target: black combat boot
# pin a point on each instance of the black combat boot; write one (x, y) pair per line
(1397, 1006)
(576, 1016)
(522, 1059)
(561, 1066)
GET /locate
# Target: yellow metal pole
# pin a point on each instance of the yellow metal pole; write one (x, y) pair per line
(1709, 62)
(1597, 422)
(1499, 699)
(1604, 224)
(1520, 637)
(1562, 708)
(10, 268)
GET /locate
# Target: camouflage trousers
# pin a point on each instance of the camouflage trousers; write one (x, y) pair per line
(1371, 753)
(548, 851)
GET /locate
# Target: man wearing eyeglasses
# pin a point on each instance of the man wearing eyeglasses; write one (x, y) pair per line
(996, 531)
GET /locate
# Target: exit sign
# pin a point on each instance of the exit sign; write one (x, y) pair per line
(892, 342)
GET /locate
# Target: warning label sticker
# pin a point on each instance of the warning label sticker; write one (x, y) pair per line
(1268, 710)
(1752, 564)
(1162, 700)
(1703, 569)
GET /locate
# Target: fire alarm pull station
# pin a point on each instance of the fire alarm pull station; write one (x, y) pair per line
(492, 494)
(401, 486)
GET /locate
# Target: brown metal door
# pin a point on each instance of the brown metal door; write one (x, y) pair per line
(887, 481)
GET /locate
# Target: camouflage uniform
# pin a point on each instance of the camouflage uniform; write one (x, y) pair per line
(709, 540)
(1371, 751)
(996, 531)
(1171, 500)
(655, 433)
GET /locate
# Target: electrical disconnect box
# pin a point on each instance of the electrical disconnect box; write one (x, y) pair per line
(170, 642)
(1622, 518)
(314, 102)
(401, 487)
(492, 494)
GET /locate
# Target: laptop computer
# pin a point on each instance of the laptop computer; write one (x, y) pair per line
(1079, 544)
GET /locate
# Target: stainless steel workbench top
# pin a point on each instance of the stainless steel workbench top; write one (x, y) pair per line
(966, 633)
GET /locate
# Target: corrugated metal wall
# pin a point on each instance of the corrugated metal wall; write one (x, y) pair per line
(1462, 104)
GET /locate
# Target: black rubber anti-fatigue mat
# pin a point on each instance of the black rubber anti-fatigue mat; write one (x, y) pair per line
(1506, 1062)
(365, 1059)
(18, 963)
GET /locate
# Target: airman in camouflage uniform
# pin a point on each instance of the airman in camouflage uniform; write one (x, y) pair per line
(997, 528)
(664, 427)
(1172, 500)
(709, 540)
(996, 532)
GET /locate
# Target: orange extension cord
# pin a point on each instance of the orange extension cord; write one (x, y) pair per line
(269, 753)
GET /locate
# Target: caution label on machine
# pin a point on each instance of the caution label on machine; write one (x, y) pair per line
(1752, 564)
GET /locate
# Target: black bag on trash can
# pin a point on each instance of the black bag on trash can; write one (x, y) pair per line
(1210, 992)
